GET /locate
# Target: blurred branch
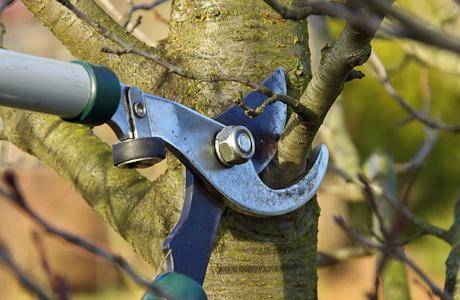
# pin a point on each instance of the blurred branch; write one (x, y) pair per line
(16, 197)
(407, 58)
(136, 24)
(142, 6)
(24, 280)
(332, 258)
(419, 159)
(56, 282)
(382, 75)
(160, 17)
(402, 208)
(392, 251)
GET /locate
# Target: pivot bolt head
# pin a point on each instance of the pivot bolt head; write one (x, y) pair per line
(139, 109)
(234, 145)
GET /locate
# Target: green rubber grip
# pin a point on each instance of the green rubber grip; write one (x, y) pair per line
(176, 286)
(104, 98)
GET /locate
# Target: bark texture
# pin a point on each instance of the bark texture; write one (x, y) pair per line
(254, 258)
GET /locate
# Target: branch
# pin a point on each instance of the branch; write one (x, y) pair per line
(24, 280)
(56, 282)
(332, 258)
(332, 9)
(423, 225)
(16, 197)
(419, 159)
(382, 75)
(410, 28)
(337, 62)
(395, 252)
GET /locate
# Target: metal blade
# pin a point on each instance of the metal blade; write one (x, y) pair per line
(192, 239)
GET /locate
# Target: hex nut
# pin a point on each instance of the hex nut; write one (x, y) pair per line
(234, 145)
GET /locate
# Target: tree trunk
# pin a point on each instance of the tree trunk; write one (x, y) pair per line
(254, 258)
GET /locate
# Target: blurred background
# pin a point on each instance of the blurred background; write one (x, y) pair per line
(373, 120)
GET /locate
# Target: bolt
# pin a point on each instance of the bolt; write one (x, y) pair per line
(139, 109)
(244, 142)
(234, 145)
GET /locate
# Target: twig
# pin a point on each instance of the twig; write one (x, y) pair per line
(419, 159)
(127, 48)
(56, 282)
(402, 208)
(136, 24)
(407, 58)
(141, 6)
(429, 293)
(300, 109)
(17, 198)
(411, 28)
(160, 17)
(382, 75)
(24, 280)
(394, 251)
(332, 258)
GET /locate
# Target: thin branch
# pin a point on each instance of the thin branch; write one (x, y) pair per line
(332, 258)
(407, 58)
(394, 251)
(127, 48)
(410, 27)
(407, 27)
(325, 8)
(289, 101)
(382, 75)
(24, 280)
(402, 208)
(142, 6)
(160, 17)
(419, 159)
(56, 282)
(136, 24)
(16, 197)
(401, 255)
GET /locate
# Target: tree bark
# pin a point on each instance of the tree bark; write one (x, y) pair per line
(253, 258)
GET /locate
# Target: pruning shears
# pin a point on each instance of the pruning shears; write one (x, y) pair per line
(223, 156)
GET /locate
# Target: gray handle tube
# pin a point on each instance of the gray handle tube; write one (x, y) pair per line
(43, 85)
(77, 92)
